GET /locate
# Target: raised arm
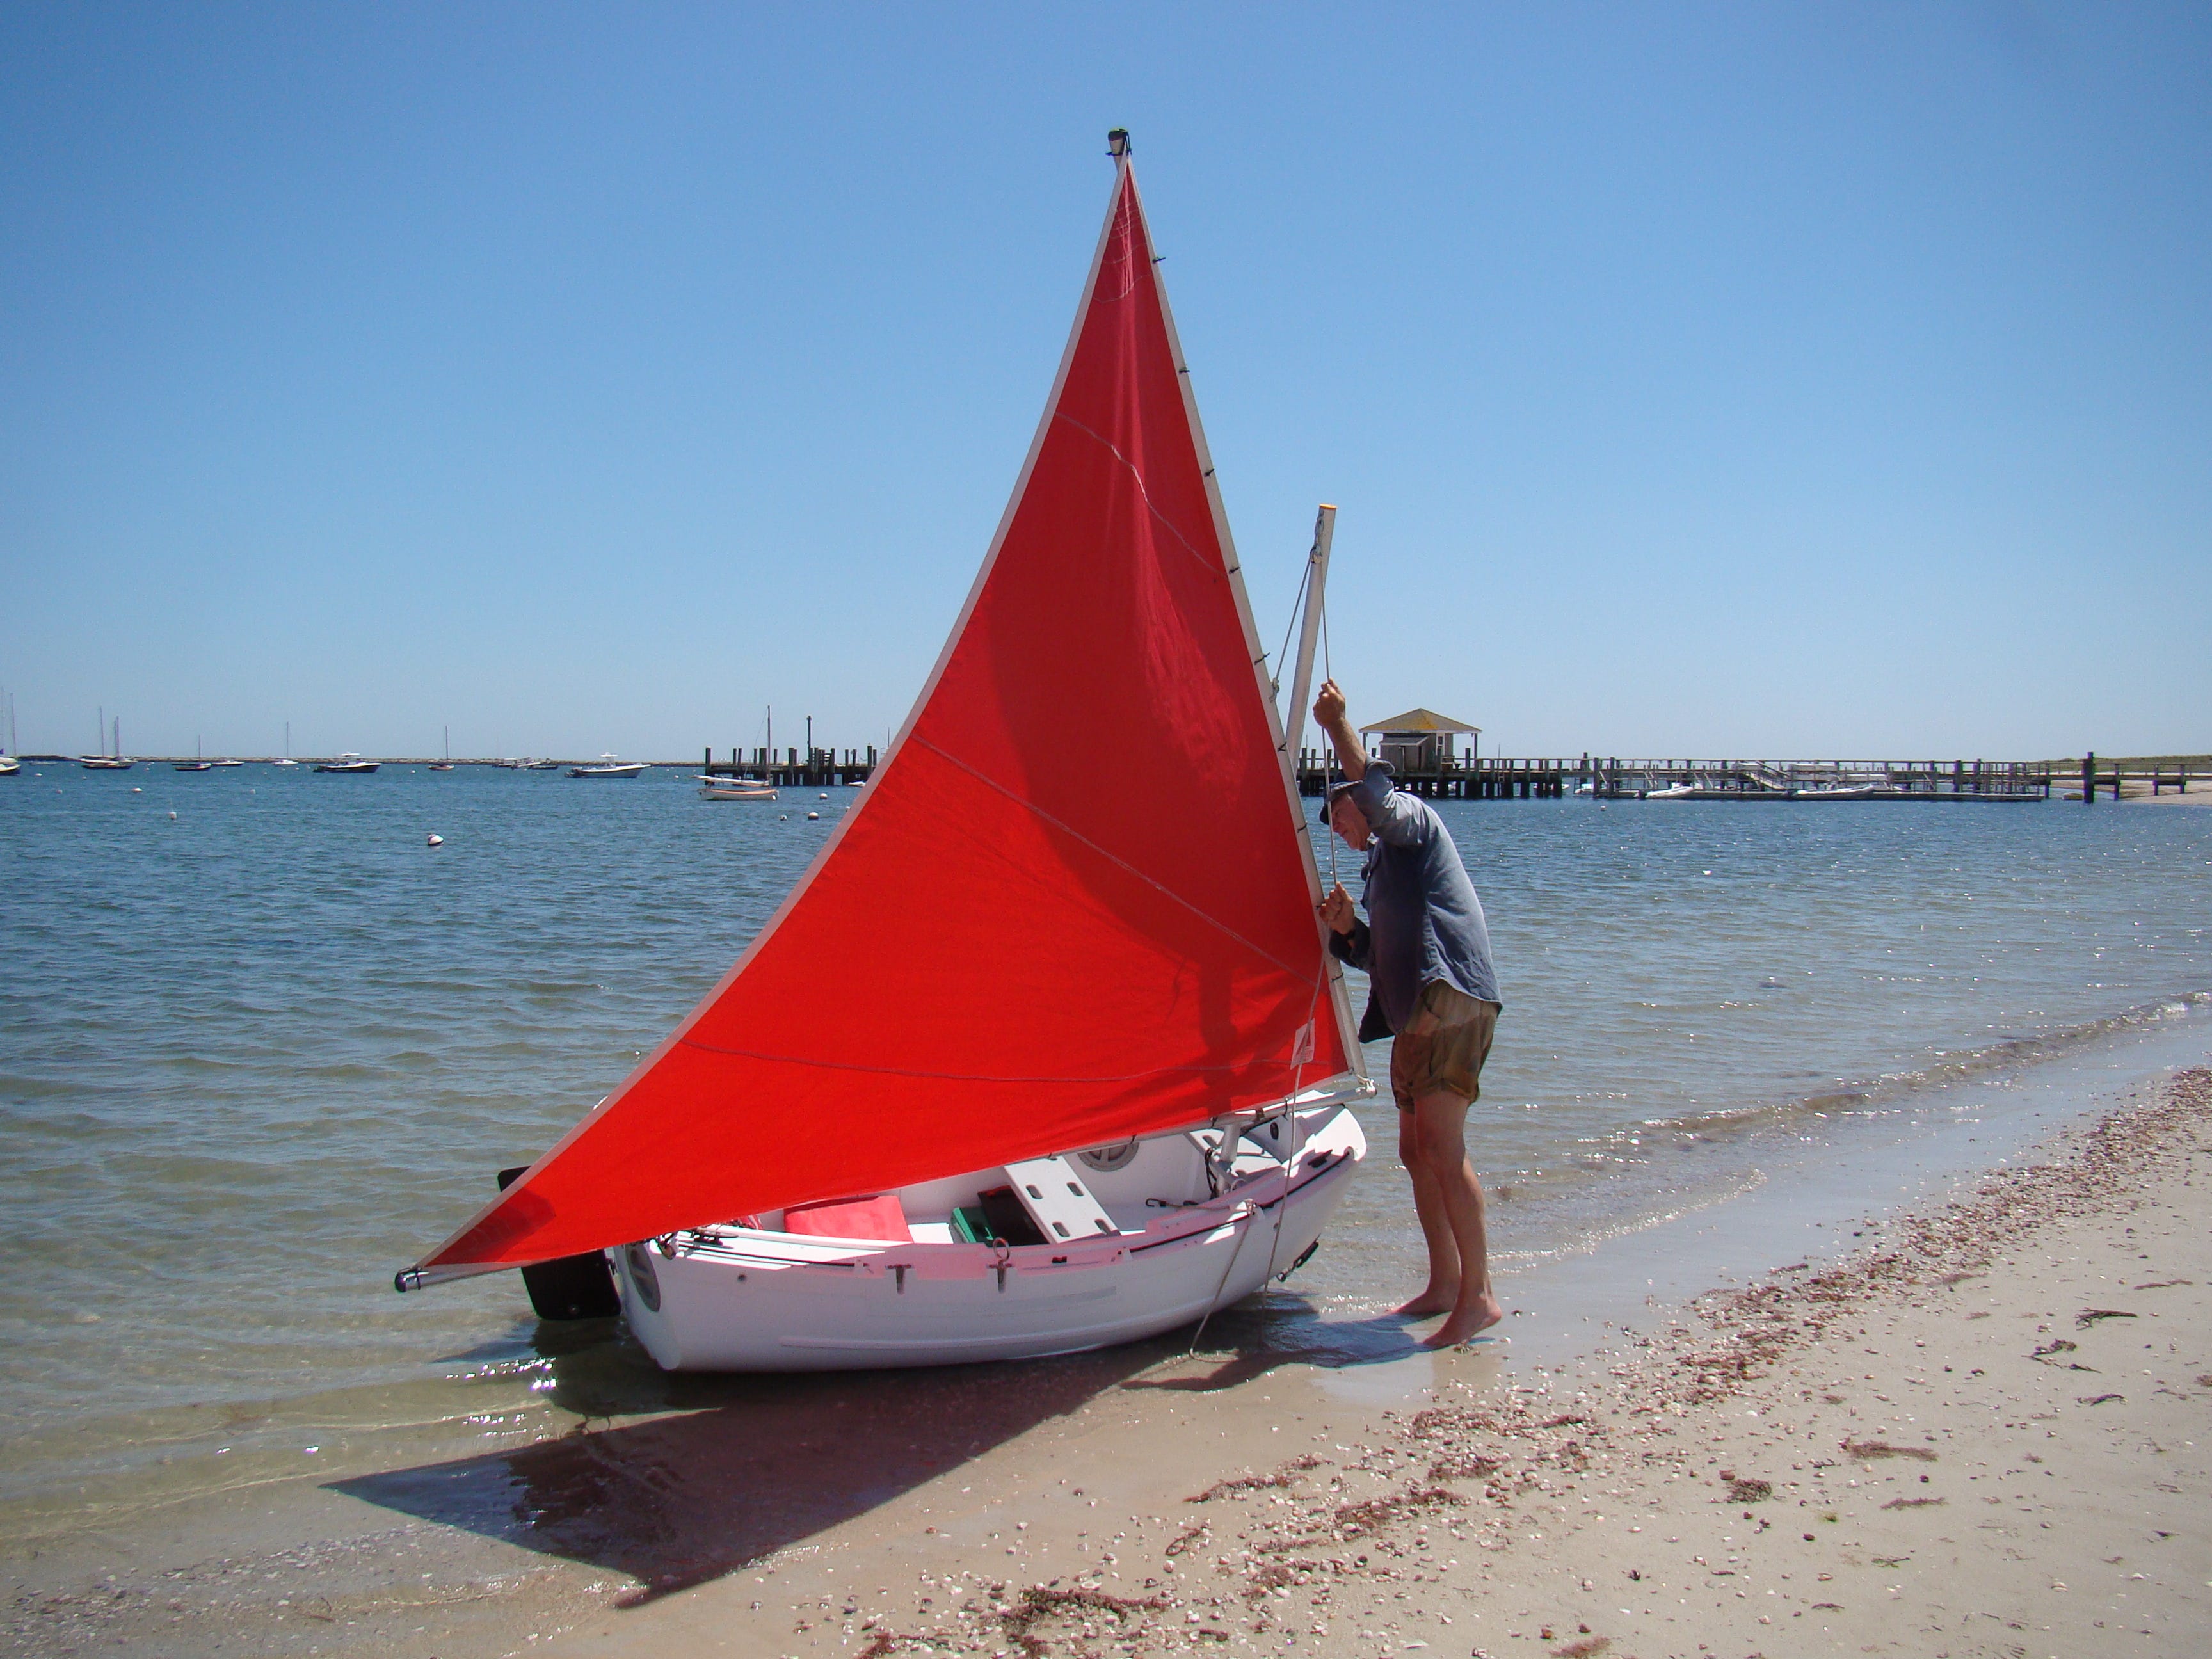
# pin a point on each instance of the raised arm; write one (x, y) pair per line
(1329, 713)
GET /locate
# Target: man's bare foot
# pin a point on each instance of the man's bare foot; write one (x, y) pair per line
(1467, 1323)
(1428, 1304)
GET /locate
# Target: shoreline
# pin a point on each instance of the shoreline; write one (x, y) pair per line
(1285, 1506)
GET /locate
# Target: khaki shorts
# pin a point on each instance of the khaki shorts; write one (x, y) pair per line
(1442, 1049)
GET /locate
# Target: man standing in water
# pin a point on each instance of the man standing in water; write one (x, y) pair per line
(1426, 952)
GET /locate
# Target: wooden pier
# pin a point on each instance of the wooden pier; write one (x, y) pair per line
(790, 769)
(1611, 777)
(2117, 776)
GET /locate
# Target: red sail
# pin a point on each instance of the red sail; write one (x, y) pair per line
(1074, 904)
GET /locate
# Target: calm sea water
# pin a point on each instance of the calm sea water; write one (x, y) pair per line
(259, 1054)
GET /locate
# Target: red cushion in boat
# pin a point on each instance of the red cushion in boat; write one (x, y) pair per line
(882, 1217)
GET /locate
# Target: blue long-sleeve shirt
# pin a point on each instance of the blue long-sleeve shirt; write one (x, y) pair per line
(1424, 920)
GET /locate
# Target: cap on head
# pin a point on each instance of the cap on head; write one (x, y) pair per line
(1343, 792)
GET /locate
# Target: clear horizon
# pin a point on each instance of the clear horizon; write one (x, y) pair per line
(1720, 382)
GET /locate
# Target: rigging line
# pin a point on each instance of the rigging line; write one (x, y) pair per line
(1289, 1168)
(1189, 546)
(1275, 680)
(1073, 834)
(1327, 753)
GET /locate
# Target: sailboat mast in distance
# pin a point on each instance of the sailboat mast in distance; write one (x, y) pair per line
(1010, 855)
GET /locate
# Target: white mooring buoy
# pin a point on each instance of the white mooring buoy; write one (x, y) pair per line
(813, 815)
(437, 839)
(173, 817)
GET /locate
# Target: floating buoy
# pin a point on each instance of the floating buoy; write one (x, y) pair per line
(136, 790)
(435, 840)
(813, 815)
(824, 795)
(173, 817)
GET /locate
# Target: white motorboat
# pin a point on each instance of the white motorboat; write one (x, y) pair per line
(105, 764)
(733, 788)
(1718, 791)
(10, 766)
(1102, 1084)
(348, 763)
(1849, 791)
(608, 767)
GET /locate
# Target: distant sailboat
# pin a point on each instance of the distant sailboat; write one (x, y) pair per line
(1101, 1087)
(195, 764)
(288, 760)
(113, 762)
(715, 788)
(447, 764)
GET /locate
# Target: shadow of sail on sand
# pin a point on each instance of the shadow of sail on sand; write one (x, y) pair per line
(698, 1476)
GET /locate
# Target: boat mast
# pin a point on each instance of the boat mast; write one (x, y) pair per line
(1294, 717)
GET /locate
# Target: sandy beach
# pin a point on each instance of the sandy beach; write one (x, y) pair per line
(1977, 1436)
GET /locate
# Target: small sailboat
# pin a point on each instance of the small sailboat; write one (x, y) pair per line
(113, 760)
(1099, 1081)
(608, 767)
(447, 764)
(713, 788)
(347, 762)
(197, 764)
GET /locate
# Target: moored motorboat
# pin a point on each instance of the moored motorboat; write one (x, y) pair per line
(350, 763)
(608, 767)
(1849, 791)
(105, 764)
(193, 766)
(1718, 792)
(10, 766)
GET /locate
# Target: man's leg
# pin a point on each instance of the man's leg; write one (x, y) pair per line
(1442, 1291)
(1440, 1130)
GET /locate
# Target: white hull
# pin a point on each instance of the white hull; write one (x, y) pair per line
(629, 771)
(754, 1299)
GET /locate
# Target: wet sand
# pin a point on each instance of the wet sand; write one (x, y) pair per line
(1979, 1436)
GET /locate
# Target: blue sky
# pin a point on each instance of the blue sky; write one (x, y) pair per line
(1721, 380)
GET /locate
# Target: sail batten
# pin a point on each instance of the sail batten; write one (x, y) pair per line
(1075, 903)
